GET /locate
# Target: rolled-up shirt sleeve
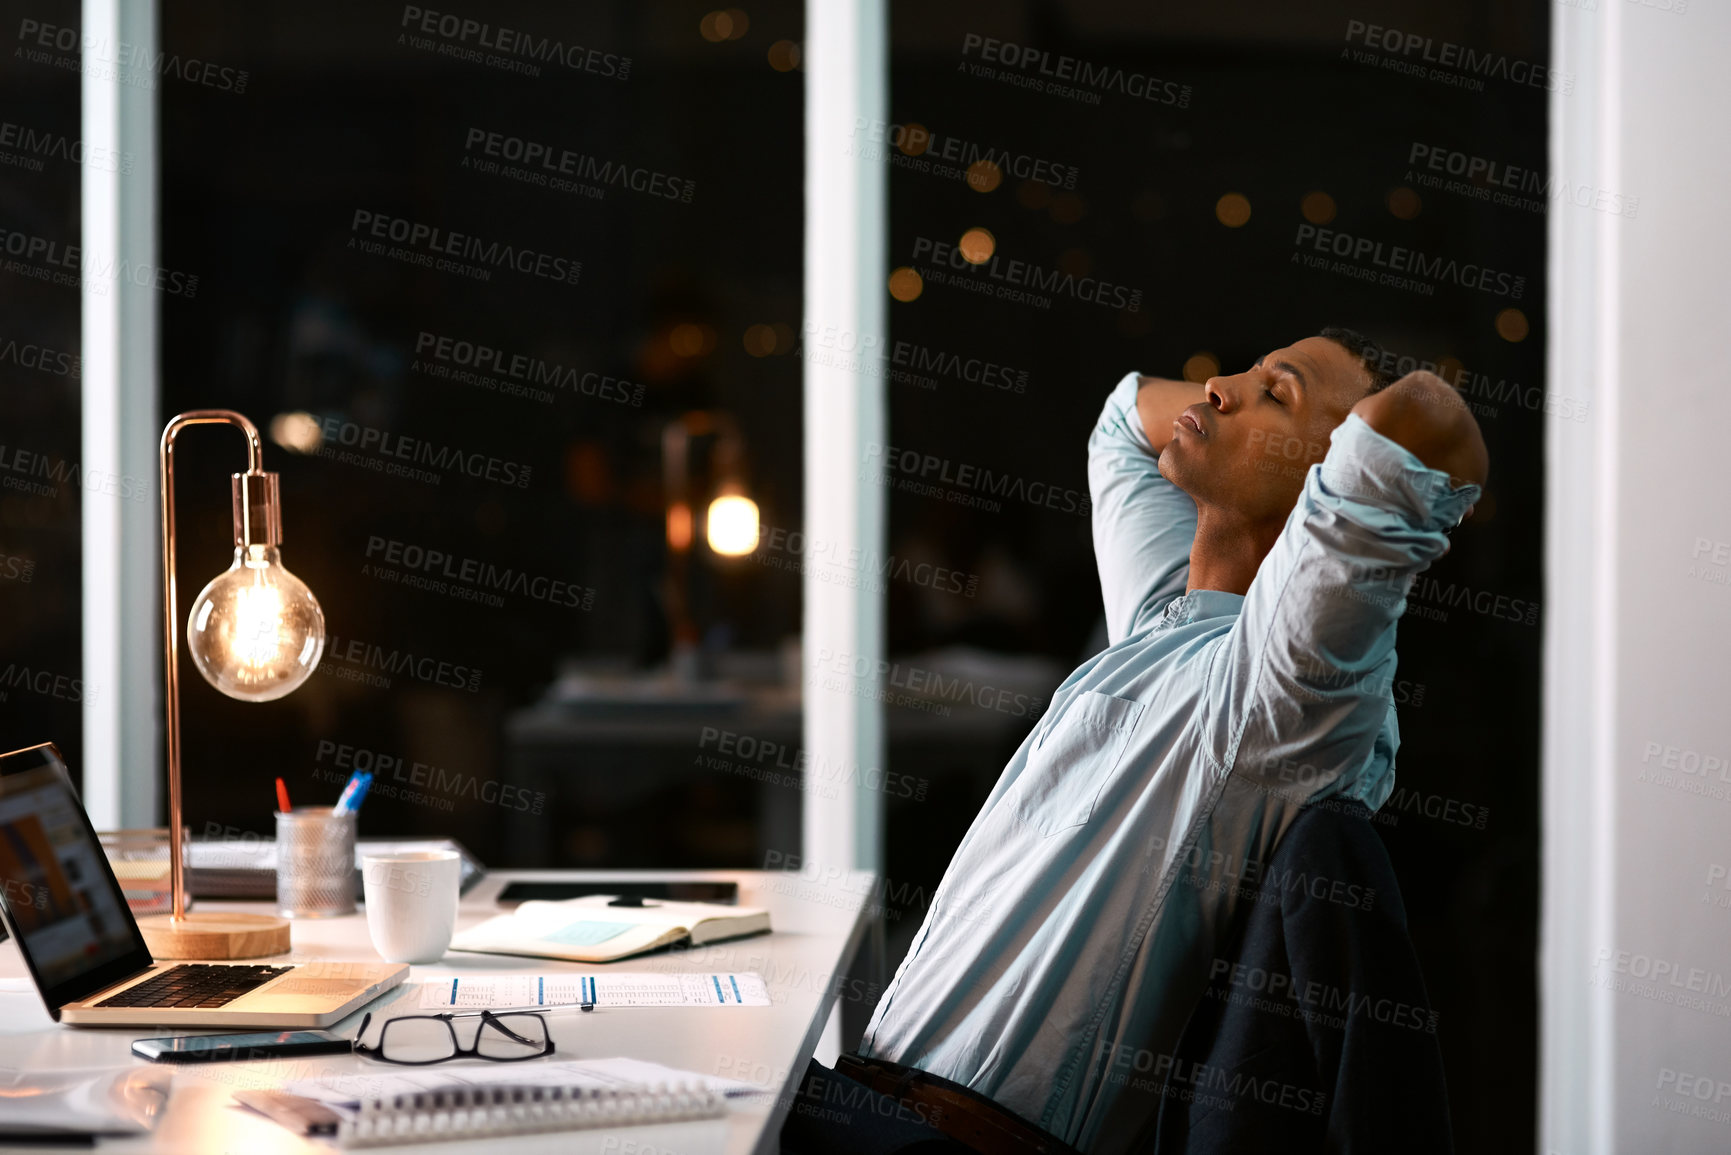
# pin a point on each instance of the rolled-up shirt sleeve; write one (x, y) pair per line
(1307, 668)
(1143, 524)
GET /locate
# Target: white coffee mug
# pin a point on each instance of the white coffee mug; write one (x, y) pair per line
(411, 903)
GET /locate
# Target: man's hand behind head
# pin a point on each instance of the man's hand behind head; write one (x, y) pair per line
(1423, 413)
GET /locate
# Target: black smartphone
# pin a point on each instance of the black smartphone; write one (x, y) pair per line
(229, 1048)
(722, 892)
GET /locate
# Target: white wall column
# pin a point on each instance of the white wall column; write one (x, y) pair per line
(847, 77)
(121, 607)
(1636, 947)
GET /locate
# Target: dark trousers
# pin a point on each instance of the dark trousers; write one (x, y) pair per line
(835, 1115)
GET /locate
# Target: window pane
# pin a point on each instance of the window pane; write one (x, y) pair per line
(44, 690)
(1083, 190)
(467, 278)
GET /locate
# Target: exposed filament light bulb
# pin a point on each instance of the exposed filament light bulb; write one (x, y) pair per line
(256, 632)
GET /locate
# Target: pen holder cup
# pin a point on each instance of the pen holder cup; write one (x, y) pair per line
(315, 863)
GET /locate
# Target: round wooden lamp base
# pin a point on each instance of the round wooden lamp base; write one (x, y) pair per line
(207, 935)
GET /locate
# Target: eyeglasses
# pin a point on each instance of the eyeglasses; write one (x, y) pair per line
(417, 1040)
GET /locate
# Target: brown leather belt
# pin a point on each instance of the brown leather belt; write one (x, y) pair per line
(963, 1114)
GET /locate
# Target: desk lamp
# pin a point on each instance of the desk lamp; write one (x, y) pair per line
(730, 525)
(256, 633)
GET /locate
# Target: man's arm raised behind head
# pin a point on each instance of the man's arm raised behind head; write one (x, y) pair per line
(1306, 675)
(1424, 415)
(1159, 402)
(1143, 524)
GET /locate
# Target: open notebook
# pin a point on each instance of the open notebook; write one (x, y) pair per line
(589, 929)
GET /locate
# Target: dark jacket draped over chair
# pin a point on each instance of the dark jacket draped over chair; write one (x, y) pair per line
(1315, 1033)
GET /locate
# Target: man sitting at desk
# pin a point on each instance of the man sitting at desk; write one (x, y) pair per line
(1251, 602)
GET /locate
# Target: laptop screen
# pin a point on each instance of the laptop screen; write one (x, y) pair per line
(67, 911)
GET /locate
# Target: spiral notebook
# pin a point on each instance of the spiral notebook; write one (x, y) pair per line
(387, 1109)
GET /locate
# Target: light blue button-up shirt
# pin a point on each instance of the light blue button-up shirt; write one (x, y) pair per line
(1072, 933)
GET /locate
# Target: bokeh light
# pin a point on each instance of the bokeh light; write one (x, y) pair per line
(906, 285)
(759, 340)
(977, 246)
(984, 176)
(691, 340)
(1200, 366)
(1317, 207)
(297, 432)
(1512, 325)
(1233, 210)
(729, 25)
(732, 525)
(1404, 203)
(679, 527)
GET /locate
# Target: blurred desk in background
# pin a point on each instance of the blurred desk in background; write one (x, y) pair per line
(638, 772)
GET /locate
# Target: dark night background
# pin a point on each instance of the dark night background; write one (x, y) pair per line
(258, 191)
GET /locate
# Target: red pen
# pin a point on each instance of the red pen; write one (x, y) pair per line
(282, 798)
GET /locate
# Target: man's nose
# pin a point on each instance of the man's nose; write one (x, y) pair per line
(1221, 393)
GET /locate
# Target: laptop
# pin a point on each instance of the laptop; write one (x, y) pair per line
(60, 901)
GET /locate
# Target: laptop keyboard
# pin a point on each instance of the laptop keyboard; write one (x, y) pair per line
(194, 985)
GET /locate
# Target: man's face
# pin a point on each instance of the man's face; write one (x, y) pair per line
(1248, 447)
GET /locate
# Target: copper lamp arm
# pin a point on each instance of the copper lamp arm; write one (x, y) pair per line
(170, 614)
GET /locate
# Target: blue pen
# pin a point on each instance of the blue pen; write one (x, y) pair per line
(345, 800)
(360, 795)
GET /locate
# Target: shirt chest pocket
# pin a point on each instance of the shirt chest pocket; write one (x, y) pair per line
(1071, 763)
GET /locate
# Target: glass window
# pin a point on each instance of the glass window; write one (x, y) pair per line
(497, 284)
(44, 690)
(1168, 171)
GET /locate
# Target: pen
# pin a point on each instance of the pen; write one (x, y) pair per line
(282, 798)
(360, 794)
(343, 799)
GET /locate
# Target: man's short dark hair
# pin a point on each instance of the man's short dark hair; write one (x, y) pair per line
(1368, 352)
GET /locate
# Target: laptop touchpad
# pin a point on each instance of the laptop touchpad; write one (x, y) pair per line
(321, 988)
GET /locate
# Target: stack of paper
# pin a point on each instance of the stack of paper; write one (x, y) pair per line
(608, 989)
(246, 868)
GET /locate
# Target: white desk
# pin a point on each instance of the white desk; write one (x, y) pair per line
(804, 960)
